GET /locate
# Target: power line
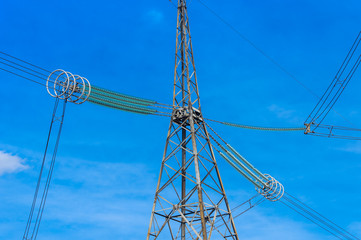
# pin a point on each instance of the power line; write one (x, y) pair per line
(263, 53)
(318, 216)
(24, 67)
(32, 228)
(282, 129)
(345, 62)
(119, 101)
(336, 87)
(291, 201)
(257, 48)
(294, 209)
(107, 98)
(31, 80)
(24, 71)
(6, 54)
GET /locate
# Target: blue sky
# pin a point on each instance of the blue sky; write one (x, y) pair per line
(108, 162)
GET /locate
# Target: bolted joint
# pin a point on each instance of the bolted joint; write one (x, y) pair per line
(181, 115)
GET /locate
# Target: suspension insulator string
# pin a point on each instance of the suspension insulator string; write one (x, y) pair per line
(114, 98)
(165, 106)
(118, 107)
(122, 104)
(275, 191)
(265, 184)
(122, 95)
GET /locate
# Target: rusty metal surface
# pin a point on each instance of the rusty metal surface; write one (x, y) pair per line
(190, 196)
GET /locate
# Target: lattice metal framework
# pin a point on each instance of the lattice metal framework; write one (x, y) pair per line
(190, 201)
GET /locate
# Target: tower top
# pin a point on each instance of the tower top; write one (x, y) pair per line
(185, 78)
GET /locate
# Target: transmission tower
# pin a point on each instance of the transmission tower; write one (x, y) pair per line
(190, 201)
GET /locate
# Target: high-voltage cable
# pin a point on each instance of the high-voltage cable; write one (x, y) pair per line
(274, 190)
(101, 96)
(278, 129)
(258, 49)
(336, 88)
(38, 204)
(251, 203)
(28, 79)
(316, 218)
(20, 60)
(263, 53)
(17, 64)
(318, 215)
(331, 131)
(60, 81)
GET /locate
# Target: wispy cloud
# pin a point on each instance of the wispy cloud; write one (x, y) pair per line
(286, 114)
(98, 199)
(155, 16)
(270, 226)
(352, 148)
(10, 163)
(114, 200)
(355, 228)
(109, 195)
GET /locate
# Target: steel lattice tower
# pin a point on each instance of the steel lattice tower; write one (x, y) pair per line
(190, 201)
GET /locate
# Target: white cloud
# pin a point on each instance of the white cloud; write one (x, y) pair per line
(10, 163)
